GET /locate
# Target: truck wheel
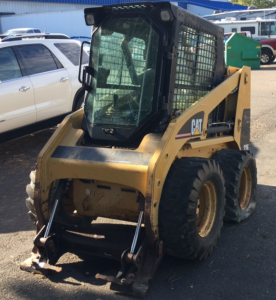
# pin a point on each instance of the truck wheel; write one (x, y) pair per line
(79, 102)
(192, 208)
(30, 200)
(240, 174)
(64, 219)
(266, 57)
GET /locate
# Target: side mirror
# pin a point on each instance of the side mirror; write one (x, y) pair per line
(87, 78)
(88, 75)
(80, 61)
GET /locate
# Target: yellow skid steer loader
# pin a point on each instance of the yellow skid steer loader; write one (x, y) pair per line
(163, 140)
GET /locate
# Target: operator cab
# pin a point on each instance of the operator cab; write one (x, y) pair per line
(149, 62)
(125, 61)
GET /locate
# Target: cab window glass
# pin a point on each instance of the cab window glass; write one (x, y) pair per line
(9, 68)
(37, 59)
(126, 65)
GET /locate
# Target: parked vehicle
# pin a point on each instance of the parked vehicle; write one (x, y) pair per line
(63, 20)
(19, 31)
(248, 14)
(38, 82)
(260, 38)
(268, 51)
(264, 28)
(22, 31)
(245, 33)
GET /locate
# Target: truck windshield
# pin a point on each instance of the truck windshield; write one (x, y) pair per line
(124, 58)
(268, 28)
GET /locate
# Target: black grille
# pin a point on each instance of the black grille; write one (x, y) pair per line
(195, 66)
(132, 7)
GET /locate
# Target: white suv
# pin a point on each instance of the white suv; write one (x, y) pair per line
(38, 82)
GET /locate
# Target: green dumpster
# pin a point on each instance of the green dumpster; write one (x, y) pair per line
(242, 51)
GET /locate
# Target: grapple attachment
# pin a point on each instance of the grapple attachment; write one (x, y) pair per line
(113, 241)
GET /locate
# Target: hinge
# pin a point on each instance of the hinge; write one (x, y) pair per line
(167, 52)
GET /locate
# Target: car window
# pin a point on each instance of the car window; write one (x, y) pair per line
(38, 59)
(37, 31)
(72, 52)
(9, 68)
(251, 29)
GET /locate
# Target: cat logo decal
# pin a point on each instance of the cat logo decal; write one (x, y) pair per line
(196, 127)
(193, 127)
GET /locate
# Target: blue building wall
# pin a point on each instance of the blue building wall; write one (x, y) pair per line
(216, 5)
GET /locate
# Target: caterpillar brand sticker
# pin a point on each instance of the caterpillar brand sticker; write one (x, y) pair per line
(193, 127)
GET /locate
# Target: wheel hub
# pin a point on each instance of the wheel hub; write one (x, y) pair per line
(264, 58)
(206, 209)
(245, 188)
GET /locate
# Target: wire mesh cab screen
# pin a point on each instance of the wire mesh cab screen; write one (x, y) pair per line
(195, 67)
(124, 55)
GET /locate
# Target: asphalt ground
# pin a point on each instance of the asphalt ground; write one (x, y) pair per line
(242, 266)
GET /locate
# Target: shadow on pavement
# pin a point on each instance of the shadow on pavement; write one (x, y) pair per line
(17, 160)
(254, 149)
(240, 267)
(84, 271)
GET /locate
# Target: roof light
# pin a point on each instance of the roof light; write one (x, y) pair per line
(165, 15)
(89, 19)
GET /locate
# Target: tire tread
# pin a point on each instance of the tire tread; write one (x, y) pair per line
(178, 206)
(232, 163)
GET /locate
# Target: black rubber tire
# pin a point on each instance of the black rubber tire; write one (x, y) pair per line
(79, 102)
(184, 185)
(238, 167)
(266, 57)
(65, 220)
(30, 200)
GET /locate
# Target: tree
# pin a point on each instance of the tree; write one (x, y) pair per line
(257, 3)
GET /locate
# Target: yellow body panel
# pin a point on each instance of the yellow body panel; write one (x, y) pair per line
(99, 198)
(145, 178)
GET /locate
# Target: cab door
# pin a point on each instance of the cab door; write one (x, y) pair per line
(51, 82)
(17, 105)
